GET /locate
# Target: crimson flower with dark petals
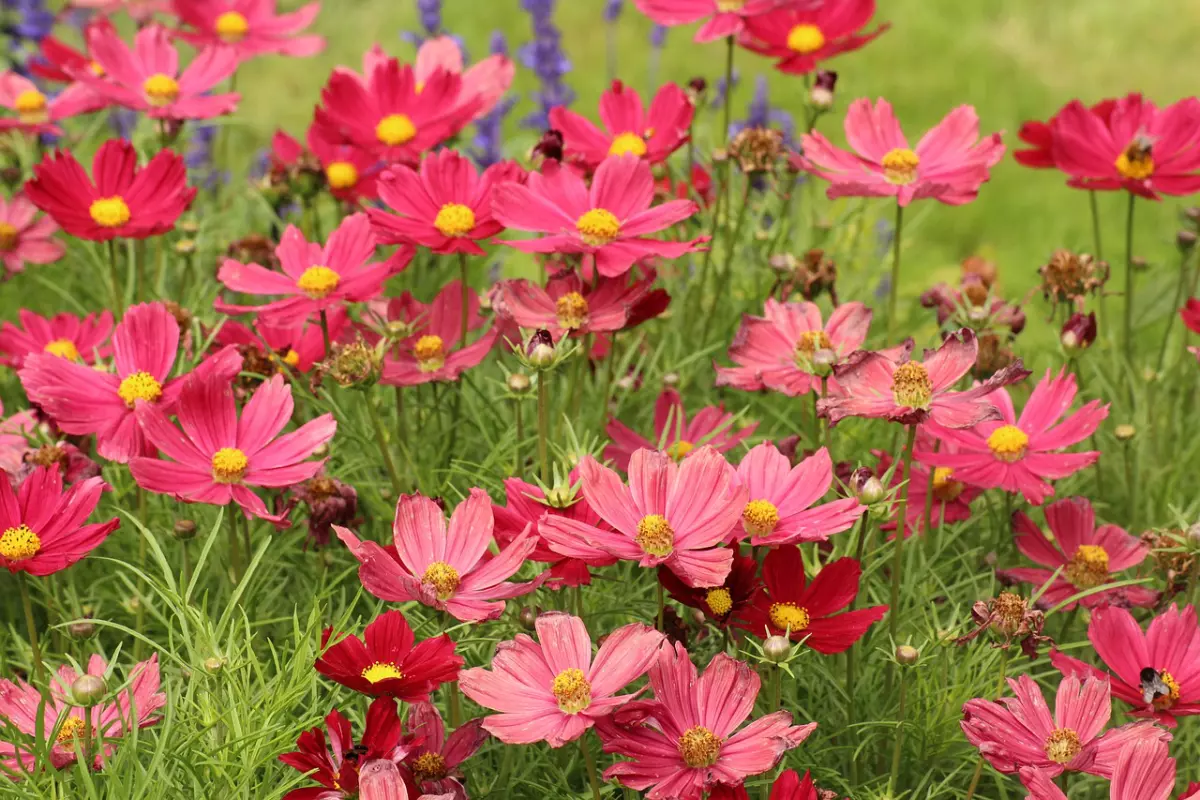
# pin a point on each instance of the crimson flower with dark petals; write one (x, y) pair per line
(1040, 137)
(436, 758)
(802, 37)
(721, 603)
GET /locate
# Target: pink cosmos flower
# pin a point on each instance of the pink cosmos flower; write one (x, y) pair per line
(679, 436)
(911, 392)
(1019, 455)
(951, 497)
(15, 433)
(1158, 672)
(1144, 771)
(429, 353)
(1096, 555)
(314, 278)
(281, 341)
(628, 128)
(140, 10)
(569, 306)
(248, 27)
(802, 37)
(1020, 731)
(147, 78)
(64, 335)
(24, 238)
(218, 457)
(436, 758)
(42, 530)
(780, 496)
(351, 173)
(1040, 137)
(722, 18)
(445, 567)
(687, 739)
(670, 514)
(63, 723)
(553, 690)
(949, 164)
(35, 113)
(84, 400)
(784, 349)
(483, 84)
(607, 222)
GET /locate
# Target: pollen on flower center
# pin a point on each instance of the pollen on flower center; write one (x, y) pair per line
(1008, 443)
(229, 465)
(911, 387)
(63, 348)
(679, 450)
(71, 729)
(8, 237)
(19, 543)
(382, 671)
(598, 227)
(31, 107)
(318, 281)
(291, 358)
(760, 517)
(805, 39)
(572, 691)
(699, 747)
(1166, 701)
(719, 601)
(140, 386)
(572, 310)
(443, 578)
(900, 166)
(454, 220)
(341, 174)
(810, 342)
(726, 6)
(395, 130)
(945, 488)
(655, 535)
(789, 616)
(627, 143)
(161, 90)
(429, 767)
(1062, 745)
(430, 352)
(1009, 612)
(231, 26)
(109, 212)
(1088, 567)
(1137, 162)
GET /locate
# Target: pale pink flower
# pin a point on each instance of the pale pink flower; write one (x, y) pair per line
(1144, 771)
(248, 27)
(483, 83)
(24, 239)
(35, 113)
(721, 17)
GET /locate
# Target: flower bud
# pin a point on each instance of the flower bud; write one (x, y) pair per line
(82, 629)
(821, 95)
(1079, 332)
(185, 530)
(1139, 263)
(776, 649)
(823, 361)
(867, 487)
(185, 247)
(518, 383)
(214, 664)
(540, 349)
(1193, 533)
(88, 690)
(671, 379)
(1185, 240)
(1192, 215)
(550, 147)
(1124, 432)
(907, 655)
(697, 86)
(528, 617)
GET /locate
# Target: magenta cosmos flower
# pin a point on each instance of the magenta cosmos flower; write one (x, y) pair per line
(63, 723)
(607, 222)
(678, 436)
(948, 164)
(435, 350)
(1158, 672)
(351, 173)
(483, 83)
(435, 758)
(1144, 771)
(1140, 148)
(569, 306)
(147, 78)
(628, 127)
(784, 349)
(675, 515)
(63, 335)
(445, 567)
(35, 113)
(687, 740)
(43, 530)
(951, 501)
(1020, 731)
(553, 690)
(218, 457)
(801, 36)
(24, 238)
(778, 510)
(1089, 556)
(248, 27)
(314, 278)
(1020, 455)
(722, 18)
(912, 392)
(83, 400)
(1040, 137)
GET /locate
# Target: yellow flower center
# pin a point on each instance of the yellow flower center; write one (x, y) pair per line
(572, 691)
(628, 143)
(429, 767)
(572, 310)
(900, 166)
(443, 578)
(655, 535)
(1137, 162)
(1062, 745)
(1009, 612)
(719, 601)
(229, 465)
(1166, 701)
(71, 729)
(789, 616)
(911, 387)
(395, 130)
(31, 107)
(1008, 443)
(680, 449)
(160, 90)
(598, 227)
(699, 747)
(454, 220)
(63, 348)
(19, 543)
(231, 26)
(318, 281)
(726, 6)
(96, 69)
(805, 38)
(382, 671)
(760, 517)
(1088, 567)
(945, 488)
(8, 237)
(430, 352)
(341, 174)
(812, 341)
(140, 386)
(109, 212)
(292, 358)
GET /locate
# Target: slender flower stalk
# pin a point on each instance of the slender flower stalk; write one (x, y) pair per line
(39, 669)
(902, 509)
(894, 288)
(1129, 279)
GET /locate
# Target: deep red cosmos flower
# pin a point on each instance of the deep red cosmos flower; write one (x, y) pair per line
(802, 37)
(1040, 137)
(722, 604)
(436, 758)
(628, 127)
(351, 173)
(124, 201)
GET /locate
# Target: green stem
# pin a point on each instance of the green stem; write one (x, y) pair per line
(1180, 286)
(235, 545)
(464, 269)
(864, 530)
(894, 289)
(590, 761)
(901, 528)
(1131, 482)
(141, 608)
(898, 747)
(519, 469)
(39, 669)
(455, 705)
(662, 605)
(731, 241)
(118, 300)
(543, 412)
(325, 333)
(384, 449)
(1129, 283)
(1095, 224)
(729, 47)
(187, 566)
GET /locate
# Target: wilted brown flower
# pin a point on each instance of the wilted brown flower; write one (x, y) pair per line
(253, 249)
(1010, 618)
(355, 365)
(981, 269)
(994, 355)
(757, 149)
(73, 463)
(1069, 277)
(330, 502)
(812, 274)
(1166, 546)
